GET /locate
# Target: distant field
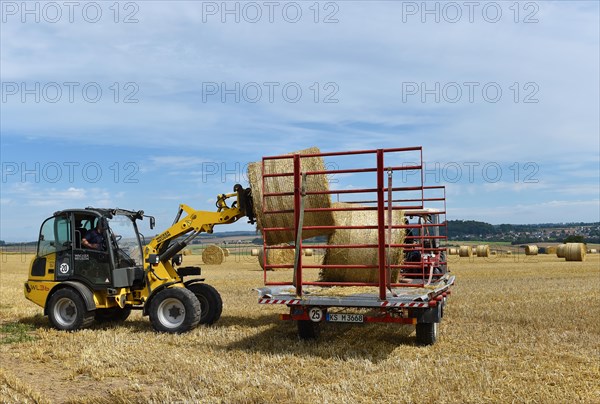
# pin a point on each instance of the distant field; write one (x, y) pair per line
(517, 329)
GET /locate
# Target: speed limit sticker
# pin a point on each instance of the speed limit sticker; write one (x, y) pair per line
(315, 314)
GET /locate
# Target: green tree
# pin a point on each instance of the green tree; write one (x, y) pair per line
(574, 239)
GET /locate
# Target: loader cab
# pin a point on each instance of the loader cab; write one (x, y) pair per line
(116, 262)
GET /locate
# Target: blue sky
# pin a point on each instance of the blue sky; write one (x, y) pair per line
(197, 92)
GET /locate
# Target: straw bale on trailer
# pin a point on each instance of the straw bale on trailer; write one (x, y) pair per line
(483, 250)
(213, 255)
(465, 251)
(360, 256)
(575, 252)
(286, 184)
(560, 250)
(531, 250)
(277, 257)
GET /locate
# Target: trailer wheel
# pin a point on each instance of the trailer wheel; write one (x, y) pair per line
(67, 311)
(113, 314)
(174, 310)
(427, 333)
(308, 330)
(211, 304)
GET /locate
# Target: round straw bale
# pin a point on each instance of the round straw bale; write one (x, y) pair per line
(226, 252)
(186, 251)
(560, 250)
(465, 251)
(277, 257)
(453, 251)
(550, 250)
(508, 252)
(531, 250)
(493, 252)
(254, 252)
(360, 256)
(592, 251)
(213, 255)
(575, 252)
(308, 252)
(483, 250)
(286, 184)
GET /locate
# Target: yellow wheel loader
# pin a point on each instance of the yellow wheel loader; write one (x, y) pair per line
(78, 281)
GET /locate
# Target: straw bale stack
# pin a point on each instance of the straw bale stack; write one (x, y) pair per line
(531, 250)
(575, 252)
(465, 251)
(360, 256)
(483, 250)
(277, 257)
(286, 184)
(213, 255)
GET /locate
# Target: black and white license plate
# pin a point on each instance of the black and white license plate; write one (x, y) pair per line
(345, 318)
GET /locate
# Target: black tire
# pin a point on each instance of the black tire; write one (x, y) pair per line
(427, 333)
(113, 314)
(174, 310)
(67, 310)
(211, 304)
(308, 330)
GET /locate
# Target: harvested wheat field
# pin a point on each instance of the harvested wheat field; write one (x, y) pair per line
(517, 329)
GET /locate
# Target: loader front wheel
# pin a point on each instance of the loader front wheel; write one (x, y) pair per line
(67, 311)
(174, 310)
(211, 304)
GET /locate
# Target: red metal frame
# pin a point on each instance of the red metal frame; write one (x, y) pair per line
(429, 255)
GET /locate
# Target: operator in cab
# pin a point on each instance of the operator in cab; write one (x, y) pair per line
(94, 238)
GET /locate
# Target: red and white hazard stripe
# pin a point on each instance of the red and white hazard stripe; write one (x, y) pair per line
(411, 304)
(278, 301)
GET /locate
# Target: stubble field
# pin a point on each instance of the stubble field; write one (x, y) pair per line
(516, 329)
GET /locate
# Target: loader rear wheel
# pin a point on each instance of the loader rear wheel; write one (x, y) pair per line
(427, 333)
(113, 314)
(308, 330)
(211, 304)
(67, 311)
(174, 310)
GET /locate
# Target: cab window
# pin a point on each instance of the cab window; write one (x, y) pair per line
(55, 235)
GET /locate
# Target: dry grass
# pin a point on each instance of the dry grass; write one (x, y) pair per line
(517, 329)
(286, 184)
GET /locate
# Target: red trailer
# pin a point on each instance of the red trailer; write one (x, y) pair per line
(382, 180)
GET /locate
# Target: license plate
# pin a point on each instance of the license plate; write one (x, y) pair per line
(345, 318)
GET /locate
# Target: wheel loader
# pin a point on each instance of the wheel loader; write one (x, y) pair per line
(77, 285)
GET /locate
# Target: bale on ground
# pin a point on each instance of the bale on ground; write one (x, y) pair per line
(213, 255)
(465, 251)
(483, 250)
(360, 256)
(277, 257)
(592, 251)
(452, 251)
(493, 252)
(550, 250)
(226, 252)
(560, 250)
(308, 252)
(286, 184)
(509, 252)
(575, 252)
(254, 252)
(186, 251)
(531, 250)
